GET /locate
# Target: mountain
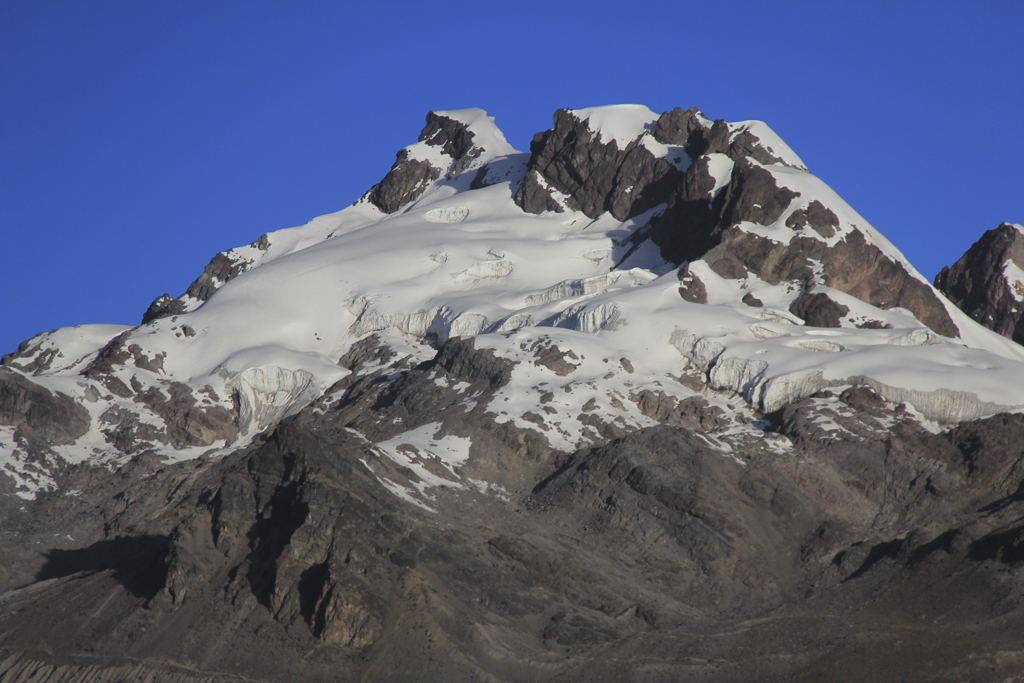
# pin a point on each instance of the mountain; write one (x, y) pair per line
(648, 402)
(987, 282)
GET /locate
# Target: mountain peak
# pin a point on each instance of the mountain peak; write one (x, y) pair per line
(987, 282)
(526, 416)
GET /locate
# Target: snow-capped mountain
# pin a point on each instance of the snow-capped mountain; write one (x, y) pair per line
(655, 366)
(783, 290)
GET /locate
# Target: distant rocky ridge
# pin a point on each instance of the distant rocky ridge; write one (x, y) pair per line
(556, 445)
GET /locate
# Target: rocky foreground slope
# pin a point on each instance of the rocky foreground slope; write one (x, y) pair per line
(648, 403)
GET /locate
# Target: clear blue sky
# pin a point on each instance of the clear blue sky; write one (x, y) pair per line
(137, 139)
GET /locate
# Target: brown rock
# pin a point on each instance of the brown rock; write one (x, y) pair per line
(596, 175)
(818, 309)
(977, 283)
(39, 413)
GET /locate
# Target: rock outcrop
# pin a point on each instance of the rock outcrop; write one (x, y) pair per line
(39, 414)
(594, 174)
(987, 282)
(221, 269)
(409, 177)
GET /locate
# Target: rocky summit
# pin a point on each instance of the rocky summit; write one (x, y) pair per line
(649, 402)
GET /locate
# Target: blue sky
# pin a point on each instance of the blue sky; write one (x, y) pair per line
(138, 139)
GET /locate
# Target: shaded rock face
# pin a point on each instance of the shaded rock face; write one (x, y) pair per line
(596, 175)
(817, 216)
(221, 269)
(853, 266)
(686, 128)
(39, 414)
(691, 287)
(818, 309)
(753, 195)
(454, 139)
(409, 178)
(404, 183)
(863, 271)
(979, 285)
(623, 555)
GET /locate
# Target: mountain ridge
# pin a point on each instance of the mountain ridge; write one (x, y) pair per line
(527, 416)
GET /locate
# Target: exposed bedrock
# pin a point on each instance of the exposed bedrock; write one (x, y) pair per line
(982, 283)
(817, 309)
(686, 128)
(816, 216)
(39, 414)
(862, 270)
(595, 174)
(409, 177)
(612, 556)
(221, 269)
(693, 223)
(853, 266)
(404, 183)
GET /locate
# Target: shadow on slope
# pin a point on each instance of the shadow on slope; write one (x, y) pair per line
(139, 563)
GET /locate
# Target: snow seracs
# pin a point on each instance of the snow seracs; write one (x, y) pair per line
(700, 254)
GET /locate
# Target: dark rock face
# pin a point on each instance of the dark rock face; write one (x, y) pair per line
(595, 174)
(818, 309)
(863, 271)
(686, 229)
(977, 283)
(163, 307)
(685, 129)
(38, 413)
(480, 367)
(693, 224)
(454, 138)
(404, 183)
(615, 557)
(690, 286)
(408, 178)
(751, 300)
(853, 266)
(219, 271)
(753, 195)
(817, 216)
